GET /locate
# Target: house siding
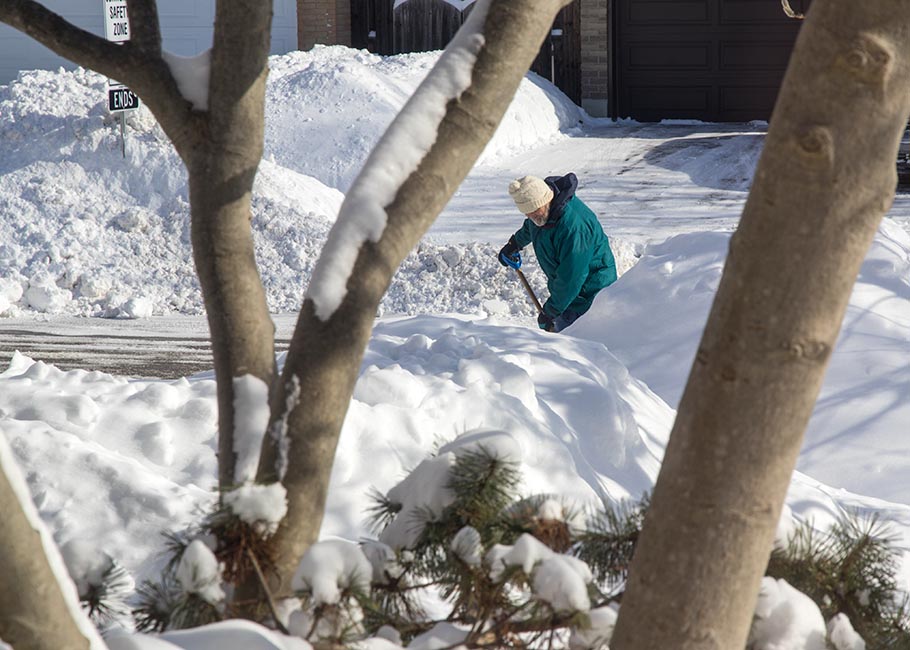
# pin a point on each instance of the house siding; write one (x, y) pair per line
(595, 57)
(186, 30)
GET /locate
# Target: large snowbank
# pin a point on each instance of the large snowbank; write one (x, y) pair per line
(94, 233)
(652, 320)
(140, 455)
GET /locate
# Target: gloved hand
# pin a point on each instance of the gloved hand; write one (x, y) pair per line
(509, 254)
(545, 322)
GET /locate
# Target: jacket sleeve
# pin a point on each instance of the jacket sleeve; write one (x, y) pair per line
(571, 273)
(523, 235)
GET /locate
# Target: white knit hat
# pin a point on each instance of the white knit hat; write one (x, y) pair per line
(530, 193)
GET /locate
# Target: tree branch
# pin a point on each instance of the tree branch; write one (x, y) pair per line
(785, 4)
(273, 608)
(145, 29)
(62, 37)
(136, 63)
(240, 61)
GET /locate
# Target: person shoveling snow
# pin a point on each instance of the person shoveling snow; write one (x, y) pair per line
(570, 245)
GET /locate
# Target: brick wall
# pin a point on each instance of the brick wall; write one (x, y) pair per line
(595, 60)
(323, 21)
(343, 16)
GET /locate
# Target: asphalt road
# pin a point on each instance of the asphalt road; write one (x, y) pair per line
(162, 347)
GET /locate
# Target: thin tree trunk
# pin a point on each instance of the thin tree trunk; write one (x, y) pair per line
(222, 169)
(241, 329)
(324, 356)
(825, 179)
(221, 146)
(33, 611)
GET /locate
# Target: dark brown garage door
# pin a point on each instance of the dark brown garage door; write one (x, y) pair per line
(712, 60)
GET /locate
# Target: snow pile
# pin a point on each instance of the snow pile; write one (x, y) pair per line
(842, 635)
(330, 567)
(98, 234)
(442, 637)
(652, 319)
(786, 619)
(261, 506)
(558, 579)
(328, 107)
(603, 620)
(226, 635)
(467, 547)
(140, 455)
(251, 419)
(580, 425)
(432, 378)
(192, 75)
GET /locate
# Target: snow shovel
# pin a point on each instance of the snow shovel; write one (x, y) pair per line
(514, 262)
(527, 286)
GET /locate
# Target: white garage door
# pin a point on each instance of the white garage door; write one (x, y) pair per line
(186, 29)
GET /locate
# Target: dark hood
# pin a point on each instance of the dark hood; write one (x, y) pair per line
(563, 190)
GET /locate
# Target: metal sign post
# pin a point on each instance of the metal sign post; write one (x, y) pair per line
(553, 33)
(119, 98)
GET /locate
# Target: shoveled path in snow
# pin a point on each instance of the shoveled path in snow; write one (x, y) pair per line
(167, 347)
(645, 182)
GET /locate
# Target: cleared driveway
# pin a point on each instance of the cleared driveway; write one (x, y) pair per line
(162, 347)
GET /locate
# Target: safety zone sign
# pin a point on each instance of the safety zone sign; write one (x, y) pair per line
(117, 29)
(116, 21)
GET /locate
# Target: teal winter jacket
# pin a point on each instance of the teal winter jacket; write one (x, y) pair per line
(571, 248)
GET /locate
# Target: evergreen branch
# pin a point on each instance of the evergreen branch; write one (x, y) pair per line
(848, 569)
(610, 543)
(382, 511)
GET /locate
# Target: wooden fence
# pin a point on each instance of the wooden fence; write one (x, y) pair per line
(423, 25)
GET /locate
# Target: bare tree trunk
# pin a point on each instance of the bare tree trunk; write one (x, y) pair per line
(222, 168)
(324, 357)
(221, 146)
(825, 178)
(33, 611)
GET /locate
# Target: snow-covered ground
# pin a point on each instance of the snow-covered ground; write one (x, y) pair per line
(115, 461)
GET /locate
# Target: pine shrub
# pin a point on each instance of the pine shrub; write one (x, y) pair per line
(849, 569)
(501, 611)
